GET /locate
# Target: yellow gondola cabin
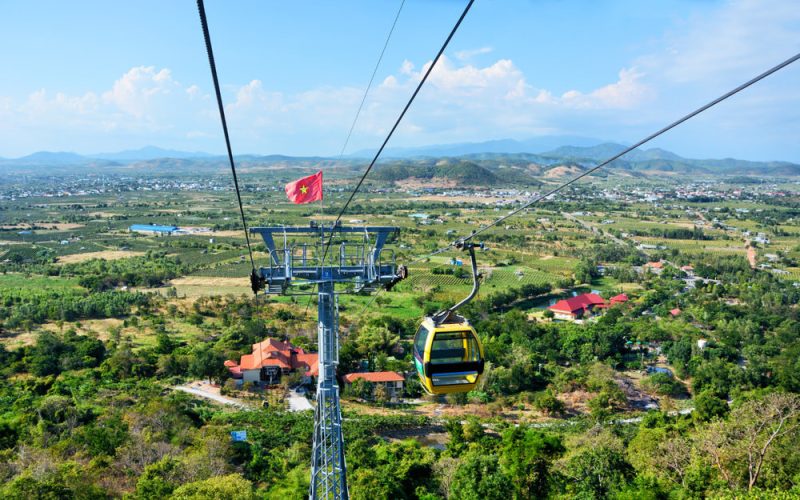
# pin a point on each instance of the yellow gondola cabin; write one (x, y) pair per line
(448, 357)
(448, 354)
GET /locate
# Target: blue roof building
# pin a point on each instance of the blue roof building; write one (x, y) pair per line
(151, 228)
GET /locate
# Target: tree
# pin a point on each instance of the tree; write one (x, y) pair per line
(597, 464)
(527, 456)
(380, 394)
(473, 431)
(208, 363)
(480, 477)
(548, 403)
(456, 444)
(159, 480)
(740, 446)
(373, 339)
(231, 487)
(164, 343)
(708, 406)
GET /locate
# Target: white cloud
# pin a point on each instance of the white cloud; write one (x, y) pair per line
(626, 93)
(142, 102)
(137, 90)
(740, 37)
(194, 91)
(467, 98)
(464, 55)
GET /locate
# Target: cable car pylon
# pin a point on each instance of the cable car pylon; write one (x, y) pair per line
(360, 266)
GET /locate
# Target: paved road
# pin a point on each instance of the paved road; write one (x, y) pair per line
(210, 395)
(298, 402)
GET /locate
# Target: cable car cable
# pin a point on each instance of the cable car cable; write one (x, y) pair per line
(201, 9)
(396, 124)
(391, 132)
(371, 79)
(364, 97)
(674, 124)
(647, 139)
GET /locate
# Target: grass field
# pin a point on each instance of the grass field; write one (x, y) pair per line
(540, 246)
(16, 280)
(105, 255)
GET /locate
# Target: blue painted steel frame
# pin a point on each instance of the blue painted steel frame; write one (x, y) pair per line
(328, 467)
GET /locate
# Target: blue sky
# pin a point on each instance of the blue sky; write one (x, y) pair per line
(96, 76)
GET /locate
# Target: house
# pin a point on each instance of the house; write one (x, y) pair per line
(689, 270)
(618, 299)
(578, 306)
(234, 369)
(392, 381)
(654, 267)
(270, 360)
(675, 312)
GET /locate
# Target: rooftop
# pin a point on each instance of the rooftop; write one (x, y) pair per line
(374, 377)
(284, 355)
(577, 303)
(154, 228)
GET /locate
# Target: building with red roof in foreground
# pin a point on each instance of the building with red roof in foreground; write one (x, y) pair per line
(392, 381)
(270, 360)
(577, 307)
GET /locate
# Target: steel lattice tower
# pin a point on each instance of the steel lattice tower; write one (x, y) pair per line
(358, 264)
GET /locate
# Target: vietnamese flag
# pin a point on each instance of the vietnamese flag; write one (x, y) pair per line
(305, 190)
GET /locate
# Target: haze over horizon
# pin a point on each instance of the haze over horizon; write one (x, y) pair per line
(292, 76)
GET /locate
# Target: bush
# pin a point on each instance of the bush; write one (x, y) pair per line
(548, 403)
(663, 384)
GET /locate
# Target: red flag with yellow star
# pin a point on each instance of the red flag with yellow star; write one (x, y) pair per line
(305, 190)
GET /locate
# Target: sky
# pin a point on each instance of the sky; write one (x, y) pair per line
(99, 76)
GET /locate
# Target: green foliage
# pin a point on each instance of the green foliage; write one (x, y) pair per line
(148, 271)
(159, 480)
(548, 403)
(664, 384)
(231, 487)
(24, 307)
(480, 477)
(597, 467)
(527, 457)
(208, 363)
(51, 354)
(708, 406)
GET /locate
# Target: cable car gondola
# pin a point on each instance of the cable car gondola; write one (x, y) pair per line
(448, 354)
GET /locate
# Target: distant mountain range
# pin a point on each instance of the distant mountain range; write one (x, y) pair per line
(505, 146)
(504, 161)
(149, 153)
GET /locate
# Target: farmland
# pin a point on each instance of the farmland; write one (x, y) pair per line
(141, 313)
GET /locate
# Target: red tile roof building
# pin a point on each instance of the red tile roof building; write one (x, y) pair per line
(576, 307)
(618, 299)
(374, 377)
(275, 357)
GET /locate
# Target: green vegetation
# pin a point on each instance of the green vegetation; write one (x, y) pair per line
(98, 326)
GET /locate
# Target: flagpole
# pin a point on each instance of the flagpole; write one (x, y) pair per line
(321, 199)
(321, 209)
